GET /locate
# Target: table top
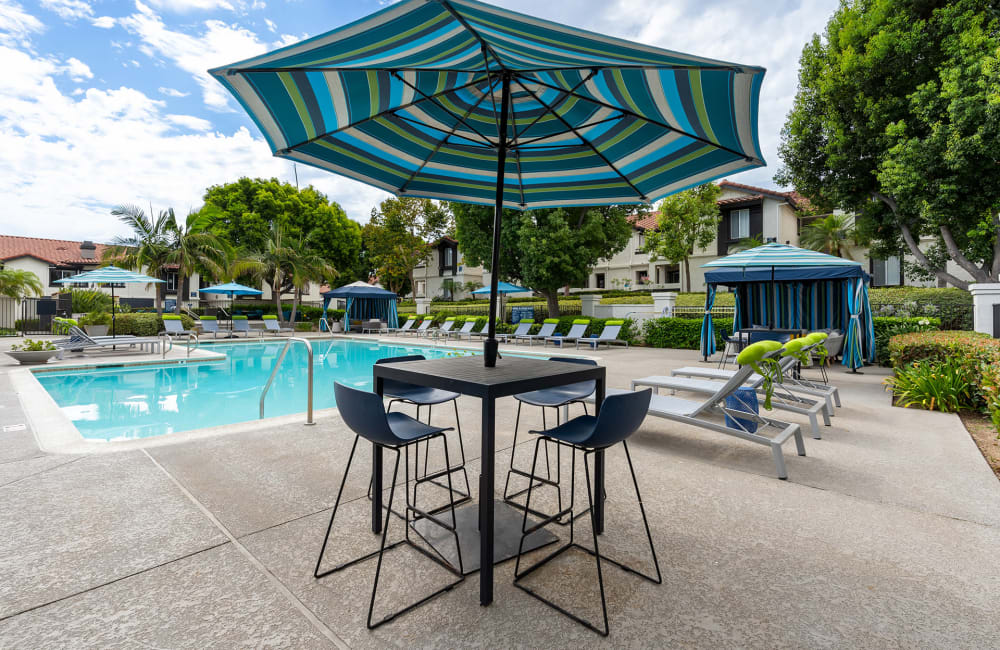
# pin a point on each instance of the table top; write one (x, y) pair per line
(469, 376)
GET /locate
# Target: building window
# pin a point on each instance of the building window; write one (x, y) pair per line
(171, 285)
(641, 277)
(449, 257)
(59, 274)
(739, 224)
(887, 272)
(599, 277)
(640, 242)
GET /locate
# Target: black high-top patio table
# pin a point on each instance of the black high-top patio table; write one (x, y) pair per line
(469, 376)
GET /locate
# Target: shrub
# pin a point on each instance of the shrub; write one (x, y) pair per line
(945, 386)
(952, 306)
(30, 345)
(303, 327)
(87, 300)
(683, 333)
(96, 318)
(29, 324)
(940, 346)
(139, 324)
(888, 327)
(628, 300)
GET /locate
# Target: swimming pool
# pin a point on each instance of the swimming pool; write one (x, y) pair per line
(125, 403)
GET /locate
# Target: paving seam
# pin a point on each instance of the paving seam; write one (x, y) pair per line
(41, 471)
(111, 582)
(321, 627)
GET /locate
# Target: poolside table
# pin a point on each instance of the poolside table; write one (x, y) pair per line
(468, 376)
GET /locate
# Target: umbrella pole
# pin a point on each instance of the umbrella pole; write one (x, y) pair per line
(491, 345)
(113, 334)
(774, 300)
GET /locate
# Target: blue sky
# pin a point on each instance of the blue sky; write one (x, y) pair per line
(105, 102)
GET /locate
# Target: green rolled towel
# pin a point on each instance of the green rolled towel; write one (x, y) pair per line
(753, 356)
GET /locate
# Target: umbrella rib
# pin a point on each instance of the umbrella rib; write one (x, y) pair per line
(475, 34)
(585, 126)
(440, 143)
(650, 120)
(557, 103)
(446, 109)
(591, 66)
(387, 111)
(586, 142)
(517, 156)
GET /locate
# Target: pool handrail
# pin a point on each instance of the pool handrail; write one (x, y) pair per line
(274, 372)
(165, 338)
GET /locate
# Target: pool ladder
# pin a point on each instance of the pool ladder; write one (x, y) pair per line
(274, 373)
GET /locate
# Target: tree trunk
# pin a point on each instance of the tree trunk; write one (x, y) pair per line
(276, 295)
(185, 290)
(687, 276)
(552, 300)
(296, 297)
(995, 270)
(960, 259)
(159, 299)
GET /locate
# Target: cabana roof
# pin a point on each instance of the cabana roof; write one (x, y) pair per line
(780, 263)
(354, 291)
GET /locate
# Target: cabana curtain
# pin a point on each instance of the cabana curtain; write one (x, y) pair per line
(364, 303)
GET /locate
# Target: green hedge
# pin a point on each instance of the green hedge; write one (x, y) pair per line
(886, 328)
(952, 306)
(683, 333)
(139, 324)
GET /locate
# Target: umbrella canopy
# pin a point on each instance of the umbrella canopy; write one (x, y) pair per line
(232, 289)
(502, 287)
(362, 291)
(779, 256)
(110, 275)
(462, 101)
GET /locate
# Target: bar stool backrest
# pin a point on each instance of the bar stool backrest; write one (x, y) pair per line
(391, 386)
(620, 417)
(364, 414)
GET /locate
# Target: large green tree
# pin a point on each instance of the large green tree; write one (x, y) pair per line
(897, 118)
(400, 236)
(18, 283)
(245, 212)
(686, 220)
(833, 234)
(543, 249)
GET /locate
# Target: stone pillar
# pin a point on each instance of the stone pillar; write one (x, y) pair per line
(588, 304)
(984, 296)
(423, 306)
(664, 302)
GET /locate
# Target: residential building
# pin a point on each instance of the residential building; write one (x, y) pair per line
(444, 273)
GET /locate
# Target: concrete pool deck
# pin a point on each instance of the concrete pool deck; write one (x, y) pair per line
(886, 534)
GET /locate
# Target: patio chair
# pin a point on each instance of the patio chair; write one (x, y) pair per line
(547, 330)
(373, 325)
(444, 329)
(405, 328)
(209, 325)
(743, 422)
(173, 326)
(523, 327)
(621, 416)
(578, 329)
(241, 325)
(421, 329)
(608, 336)
(364, 413)
(554, 398)
(465, 331)
(483, 331)
(80, 341)
(271, 325)
(783, 398)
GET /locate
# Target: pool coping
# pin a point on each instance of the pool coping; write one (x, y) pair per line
(55, 433)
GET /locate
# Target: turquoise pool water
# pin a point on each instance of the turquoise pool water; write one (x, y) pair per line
(124, 403)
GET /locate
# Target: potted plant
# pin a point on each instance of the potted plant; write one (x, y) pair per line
(96, 323)
(32, 352)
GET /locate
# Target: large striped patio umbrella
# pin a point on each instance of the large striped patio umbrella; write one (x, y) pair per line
(463, 101)
(111, 275)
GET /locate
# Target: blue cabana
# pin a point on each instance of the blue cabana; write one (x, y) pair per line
(364, 302)
(781, 286)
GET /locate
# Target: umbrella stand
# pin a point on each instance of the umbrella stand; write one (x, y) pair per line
(490, 346)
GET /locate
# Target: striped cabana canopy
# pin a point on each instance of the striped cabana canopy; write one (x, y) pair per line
(462, 101)
(364, 301)
(410, 100)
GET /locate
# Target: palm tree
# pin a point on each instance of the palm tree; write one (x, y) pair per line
(305, 267)
(147, 247)
(274, 263)
(192, 248)
(833, 235)
(18, 284)
(746, 244)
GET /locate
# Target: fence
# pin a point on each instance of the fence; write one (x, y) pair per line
(8, 317)
(954, 316)
(699, 312)
(541, 311)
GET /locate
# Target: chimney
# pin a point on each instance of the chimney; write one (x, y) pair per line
(87, 250)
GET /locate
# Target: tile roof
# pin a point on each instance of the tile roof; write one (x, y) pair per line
(643, 220)
(793, 197)
(53, 251)
(740, 199)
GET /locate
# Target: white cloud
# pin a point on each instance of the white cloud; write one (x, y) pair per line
(104, 22)
(17, 25)
(77, 69)
(184, 6)
(172, 92)
(288, 39)
(218, 44)
(65, 160)
(270, 25)
(69, 9)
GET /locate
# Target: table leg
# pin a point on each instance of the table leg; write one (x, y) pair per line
(486, 503)
(599, 467)
(377, 477)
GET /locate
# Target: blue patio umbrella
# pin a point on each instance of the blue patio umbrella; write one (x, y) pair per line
(462, 101)
(232, 289)
(503, 288)
(112, 275)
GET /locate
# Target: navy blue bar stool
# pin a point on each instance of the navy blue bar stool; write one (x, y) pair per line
(556, 397)
(365, 414)
(398, 391)
(621, 415)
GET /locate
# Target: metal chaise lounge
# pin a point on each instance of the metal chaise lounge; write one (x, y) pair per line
(577, 331)
(782, 397)
(271, 325)
(405, 328)
(465, 331)
(421, 329)
(523, 328)
(607, 336)
(548, 329)
(172, 326)
(241, 325)
(209, 325)
(745, 425)
(80, 341)
(443, 330)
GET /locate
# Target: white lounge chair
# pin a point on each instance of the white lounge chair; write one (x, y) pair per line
(522, 328)
(173, 326)
(782, 398)
(607, 336)
(696, 414)
(80, 341)
(465, 331)
(405, 328)
(421, 329)
(443, 330)
(209, 325)
(242, 325)
(548, 328)
(271, 325)
(578, 329)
